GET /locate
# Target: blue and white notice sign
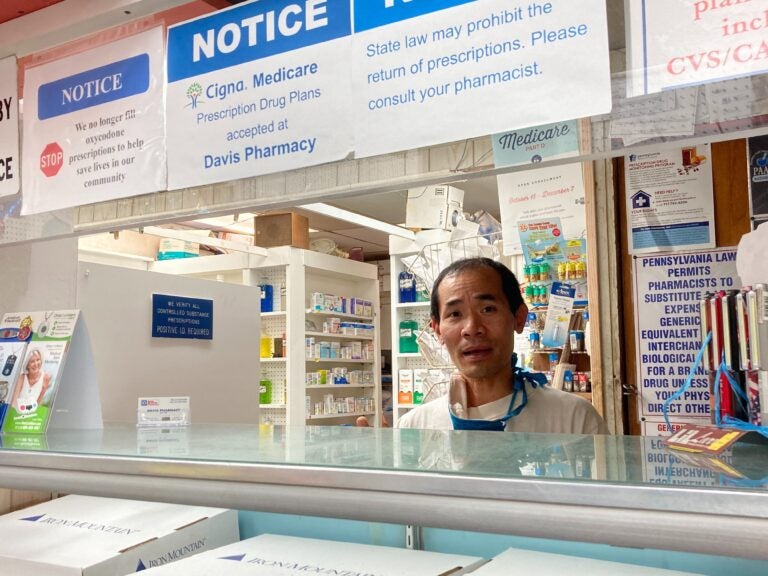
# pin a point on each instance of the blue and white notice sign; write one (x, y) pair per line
(436, 71)
(667, 291)
(262, 87)
(94, 125)
(180, 317)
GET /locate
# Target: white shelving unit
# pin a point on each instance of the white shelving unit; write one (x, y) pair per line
(400, 248)
(298, 273)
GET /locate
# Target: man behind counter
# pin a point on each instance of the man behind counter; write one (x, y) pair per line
(476, 308)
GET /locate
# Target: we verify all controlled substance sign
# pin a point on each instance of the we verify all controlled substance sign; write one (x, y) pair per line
(668, 288)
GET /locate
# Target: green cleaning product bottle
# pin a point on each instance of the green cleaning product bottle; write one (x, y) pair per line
(407, 332)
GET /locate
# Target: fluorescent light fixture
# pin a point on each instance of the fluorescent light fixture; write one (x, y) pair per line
(359, 219)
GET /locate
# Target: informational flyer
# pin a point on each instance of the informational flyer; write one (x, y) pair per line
(432, 72)
(758, 176)
(536, 144)
(543, 194)
(670, 200)
(258, 88)
(45, 336)
(94, 125)
(542, 241)
(559, 312)
(667, 292)
(10, 169)
(675, 43)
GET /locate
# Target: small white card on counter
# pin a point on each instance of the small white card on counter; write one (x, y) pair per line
(164, 411)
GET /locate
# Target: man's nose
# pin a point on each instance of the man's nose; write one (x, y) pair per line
(472, 324)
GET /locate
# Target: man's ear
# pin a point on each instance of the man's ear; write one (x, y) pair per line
(435, 325)
(521, 316)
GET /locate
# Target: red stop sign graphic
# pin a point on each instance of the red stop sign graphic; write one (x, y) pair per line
(555, 232)
(51, 159)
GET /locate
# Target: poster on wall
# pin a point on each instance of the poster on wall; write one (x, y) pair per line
(10, 171)
(667, 291)
(426, 73)
(546, 193)
(258, 88)
(93, 125)
(757, 152)
(670, 200)
(537, 144)
(676, 43)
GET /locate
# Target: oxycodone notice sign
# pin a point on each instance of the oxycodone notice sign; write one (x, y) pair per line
(94, 125)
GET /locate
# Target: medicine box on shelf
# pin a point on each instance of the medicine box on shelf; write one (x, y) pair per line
(88, 536)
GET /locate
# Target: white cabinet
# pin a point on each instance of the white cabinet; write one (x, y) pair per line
(409, 369)
(318, 343)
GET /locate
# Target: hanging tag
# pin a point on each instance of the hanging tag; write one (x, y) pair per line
(9, 363)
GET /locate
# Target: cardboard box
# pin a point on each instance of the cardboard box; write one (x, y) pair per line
(88, 536)
(523, 562)
(284, 229)
(271, 555)
(434, 207)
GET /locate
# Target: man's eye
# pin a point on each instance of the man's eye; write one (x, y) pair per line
(453, 314)
(489, 309)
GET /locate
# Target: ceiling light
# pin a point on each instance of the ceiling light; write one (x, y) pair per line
(359, 219)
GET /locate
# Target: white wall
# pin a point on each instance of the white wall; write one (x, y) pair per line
(38, 276)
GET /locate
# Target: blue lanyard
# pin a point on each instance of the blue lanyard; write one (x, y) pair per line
(520, 377)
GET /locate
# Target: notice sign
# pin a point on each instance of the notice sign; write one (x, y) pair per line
(262, 87)
(10, 171)
(533, 145)
(667, 291)
(670, 203)
(93, 125)
(179, 317)
(675, 43)
(435, 71)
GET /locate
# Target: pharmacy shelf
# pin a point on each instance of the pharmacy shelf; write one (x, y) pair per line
(364, 319)
(409, 355)
(272, 406)
(272, 360)
(338, 336)
(338, 360)
(412, 305)
(343, 415)
(337, 386)
(272, 314)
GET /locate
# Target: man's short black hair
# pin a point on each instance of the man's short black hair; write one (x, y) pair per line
(509, 284)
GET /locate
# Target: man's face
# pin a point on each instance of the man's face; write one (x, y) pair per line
(476, 324)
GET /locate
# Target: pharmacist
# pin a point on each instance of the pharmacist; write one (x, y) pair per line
(476, 307)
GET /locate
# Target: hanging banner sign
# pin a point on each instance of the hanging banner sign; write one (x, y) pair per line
(543, 194)
(10, 170)
(533, 145)
(670, 200)
(429, 72)
(758, 175)
(93, 125)
(667, 291)
(258, 88)
(676, 43)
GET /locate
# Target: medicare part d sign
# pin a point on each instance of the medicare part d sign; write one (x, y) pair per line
(259, 88)
(676, 43)
(93, 125)
(10, 170)
(435, 71)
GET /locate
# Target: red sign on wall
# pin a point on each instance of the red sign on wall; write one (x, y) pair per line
(51, 159)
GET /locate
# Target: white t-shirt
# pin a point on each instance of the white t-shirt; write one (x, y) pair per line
(548, 411)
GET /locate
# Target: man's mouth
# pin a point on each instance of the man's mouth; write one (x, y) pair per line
(476, 352)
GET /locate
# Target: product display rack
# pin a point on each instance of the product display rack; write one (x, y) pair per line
(298, 273)
(617, 496)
